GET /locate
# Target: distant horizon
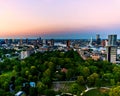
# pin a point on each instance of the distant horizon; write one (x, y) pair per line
(80, 36)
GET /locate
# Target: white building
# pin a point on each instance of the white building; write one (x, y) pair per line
(24, 54)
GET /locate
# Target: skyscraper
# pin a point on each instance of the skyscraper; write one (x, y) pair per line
(98, 40)
(52, 42)
(26, 40)
(112, 40)
(21, 41)
(68, 43)
(112, 48)
(6, 41)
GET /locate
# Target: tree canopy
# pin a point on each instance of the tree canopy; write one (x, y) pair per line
(44, 68)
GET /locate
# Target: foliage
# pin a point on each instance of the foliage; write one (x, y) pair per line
(75, 88)
(95, 92)
(115, 91)
(44, 68)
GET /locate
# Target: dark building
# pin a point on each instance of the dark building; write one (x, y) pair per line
(98, 40)
(112, 48)
(10, 41)
(44, 42)
(112, 40)
(6, 41)
(39, 41)
(21, 41)
(68, 43)
(103, 43)
(27, 41)
(52, 42)
(111, 54)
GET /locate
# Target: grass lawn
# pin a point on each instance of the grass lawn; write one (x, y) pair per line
(96, 92)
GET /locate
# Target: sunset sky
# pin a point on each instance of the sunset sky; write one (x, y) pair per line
(59, 18)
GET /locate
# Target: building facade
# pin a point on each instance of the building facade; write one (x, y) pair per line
(111, 49)
(98, 40)
(112, 40)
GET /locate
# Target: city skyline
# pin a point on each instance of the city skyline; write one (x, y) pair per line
(59, 18)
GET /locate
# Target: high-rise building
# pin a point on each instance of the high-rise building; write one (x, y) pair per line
(27, 40)
(90, 43)
(44, 42)
(39, 40)
(103, 43)
(13, 40)
(98, 40)
(68, 43)
(111, 54)
(112, 40)
(10, 41)
(52, 42)
(21, 41)
(112, 48)
(6, 41)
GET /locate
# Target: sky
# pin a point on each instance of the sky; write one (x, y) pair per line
(59, 18)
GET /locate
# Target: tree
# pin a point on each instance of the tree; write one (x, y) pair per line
(51, 66)
(33, 70)
(41, 87)
(7, 63)
(85, 71)
(80, 80)
(93, 69)
(5, 86)
(49, 92)
(19, 81)
(116, 73)
(74, 88)
(46, 80)
(69, 73)
(92, 79)
(115, 91)
(112, 82)
(47, 73)
(33, 91)
(107, 77)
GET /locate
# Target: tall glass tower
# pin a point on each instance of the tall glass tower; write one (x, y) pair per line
(98, 40)
(112, 39)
